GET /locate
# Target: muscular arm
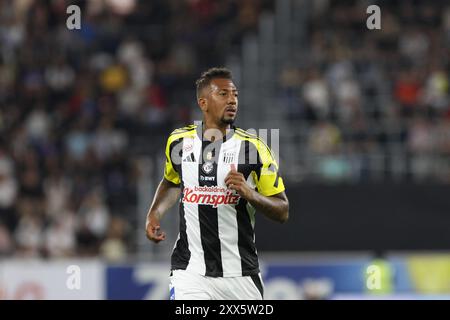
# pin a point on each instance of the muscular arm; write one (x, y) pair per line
(275, 207)
(166, 196)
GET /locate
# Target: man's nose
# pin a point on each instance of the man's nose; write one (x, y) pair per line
(232, 99)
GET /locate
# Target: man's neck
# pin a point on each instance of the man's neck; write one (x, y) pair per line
(210, 130)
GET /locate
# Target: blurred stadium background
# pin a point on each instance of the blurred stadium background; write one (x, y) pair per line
(364, 118)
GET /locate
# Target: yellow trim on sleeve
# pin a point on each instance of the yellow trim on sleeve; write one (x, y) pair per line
(170, 173)
(269, 182)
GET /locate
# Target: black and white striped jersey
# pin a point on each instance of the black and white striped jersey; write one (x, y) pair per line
(216, 235)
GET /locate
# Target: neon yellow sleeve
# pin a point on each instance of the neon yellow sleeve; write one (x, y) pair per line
(170, 173)
(269, 181)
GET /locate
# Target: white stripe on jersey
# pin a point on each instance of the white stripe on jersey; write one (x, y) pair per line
(228, 226)
(190, 179)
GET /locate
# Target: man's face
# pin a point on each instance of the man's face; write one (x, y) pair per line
(221, 101)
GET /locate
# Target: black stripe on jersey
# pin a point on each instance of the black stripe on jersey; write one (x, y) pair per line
(181, 254)
(244, 159)
(252, 154)
(246, 151)
(247, 249)
(258, 284)
(209, 222)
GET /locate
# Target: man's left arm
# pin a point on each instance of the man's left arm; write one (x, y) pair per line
(275, 207)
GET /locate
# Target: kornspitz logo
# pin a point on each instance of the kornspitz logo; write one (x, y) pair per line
(214, 196)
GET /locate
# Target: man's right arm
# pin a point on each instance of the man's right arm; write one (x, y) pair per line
(166, 196)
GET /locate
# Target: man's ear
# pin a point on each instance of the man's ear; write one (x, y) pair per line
(202, 104)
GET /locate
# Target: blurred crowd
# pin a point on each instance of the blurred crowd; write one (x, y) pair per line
(372, 104)
(74, 103)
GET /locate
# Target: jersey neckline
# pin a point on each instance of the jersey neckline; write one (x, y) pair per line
(227, 137)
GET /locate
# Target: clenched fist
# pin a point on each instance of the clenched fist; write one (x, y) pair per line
(235, 181)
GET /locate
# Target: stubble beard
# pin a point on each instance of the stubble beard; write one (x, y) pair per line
(227, 121)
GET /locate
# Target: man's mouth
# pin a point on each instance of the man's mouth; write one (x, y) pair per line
(231, 110)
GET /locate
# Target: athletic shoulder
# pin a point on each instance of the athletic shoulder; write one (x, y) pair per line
(255, 140)
(181, 133)
(245, 134)
(188, 128)
(252, 137)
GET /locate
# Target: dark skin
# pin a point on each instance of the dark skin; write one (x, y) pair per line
(219, 104)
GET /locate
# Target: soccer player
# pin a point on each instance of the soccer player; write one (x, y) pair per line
(224, 175)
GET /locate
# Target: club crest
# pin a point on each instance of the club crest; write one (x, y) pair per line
(207, 167)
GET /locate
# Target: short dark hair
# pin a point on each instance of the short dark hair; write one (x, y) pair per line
(210, 74)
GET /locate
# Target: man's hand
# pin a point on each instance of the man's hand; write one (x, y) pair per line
(166, 196)
(276, 207)
(235, 181)
(153, 231)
